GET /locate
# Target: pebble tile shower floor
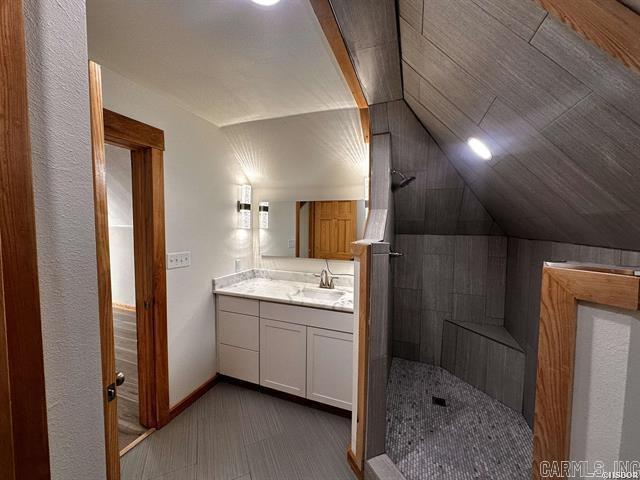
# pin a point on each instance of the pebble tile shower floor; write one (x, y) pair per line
(472, 437)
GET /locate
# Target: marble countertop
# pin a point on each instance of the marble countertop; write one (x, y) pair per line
(295, 291)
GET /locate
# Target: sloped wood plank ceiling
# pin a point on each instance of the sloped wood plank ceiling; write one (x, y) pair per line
(561, 118)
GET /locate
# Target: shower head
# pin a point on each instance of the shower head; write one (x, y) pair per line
(404, 180)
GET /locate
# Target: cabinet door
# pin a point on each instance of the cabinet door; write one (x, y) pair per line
(329, 367)
(283, 356)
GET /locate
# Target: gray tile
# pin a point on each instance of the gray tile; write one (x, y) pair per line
(469, 308)
(431, 337)
(409, 140)
(442, 210)
(381, 468)
(132, 463)
(464, 91)
(407, 306)
(406, 350)
(437, 283)
(379, 298)
(473, 437)
(496, 286)
(441, 172)
(498, 246)
(260, 417)
(605, 75)
(380, 177)
(472, 213)
(376, 407)
(378, 69)
(630, 259)
(537, 87)
(449, 346)
(379, 118)
(221, 452)
(408, 268)
(471, 265)
(174, 447)
(517, 291)
(439, 244)
(505, 375)
(471, 358)
(522, 18)
(410, 204)
(187, 473)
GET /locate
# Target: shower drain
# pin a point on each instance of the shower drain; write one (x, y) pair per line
(441, 402)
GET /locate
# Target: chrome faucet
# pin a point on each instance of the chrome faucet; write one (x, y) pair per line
(326, 280)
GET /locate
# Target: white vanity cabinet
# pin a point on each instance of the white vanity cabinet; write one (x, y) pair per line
(327, 379)
(283, 356)
(299, 350)
(238, 332)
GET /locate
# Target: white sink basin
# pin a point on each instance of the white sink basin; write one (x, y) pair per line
(325, 294)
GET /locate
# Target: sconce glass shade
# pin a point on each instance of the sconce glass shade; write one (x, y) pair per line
(263, 215)
(244, 207)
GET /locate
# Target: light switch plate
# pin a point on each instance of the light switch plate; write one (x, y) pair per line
(178, 260)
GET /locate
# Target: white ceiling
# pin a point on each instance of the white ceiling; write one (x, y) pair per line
(316, 153)
(229, 61)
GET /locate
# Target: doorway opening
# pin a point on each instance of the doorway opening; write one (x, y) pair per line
(123, 293)
(144, 145)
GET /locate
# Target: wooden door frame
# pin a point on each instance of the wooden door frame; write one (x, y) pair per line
(362, 255)
(563, 286)
(146, 144)
(24, 439)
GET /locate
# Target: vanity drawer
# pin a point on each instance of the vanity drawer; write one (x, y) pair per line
(239, 330)
(313, 317)
(239, 363)
(246, 306)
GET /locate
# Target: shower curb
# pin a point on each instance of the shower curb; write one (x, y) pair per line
(382, 468)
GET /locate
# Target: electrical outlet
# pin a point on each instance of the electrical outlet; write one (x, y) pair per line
(178, 260)
(238, 265)
(291, 243)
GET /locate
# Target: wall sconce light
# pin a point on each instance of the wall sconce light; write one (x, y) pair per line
(263, 215)
(244, 207)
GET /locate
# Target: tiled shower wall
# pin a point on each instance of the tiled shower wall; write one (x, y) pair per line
(524, 277)
(459, 277)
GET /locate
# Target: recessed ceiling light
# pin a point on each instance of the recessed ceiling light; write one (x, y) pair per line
(266, 3)
(479, 148)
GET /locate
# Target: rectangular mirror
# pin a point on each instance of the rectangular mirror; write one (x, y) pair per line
(310, 229)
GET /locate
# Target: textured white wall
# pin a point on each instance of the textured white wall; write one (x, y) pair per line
(604, 381)
(120, 207)
(63, 188)
(201, 178)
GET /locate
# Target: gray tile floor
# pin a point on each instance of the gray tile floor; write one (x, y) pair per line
(235, 433)
(473, 437)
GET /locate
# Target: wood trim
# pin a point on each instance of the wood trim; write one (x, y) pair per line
(193, 396)
(562, 289)
(129, 133)
(151, 297)
(105, 308)
(136, 441)
(24, 450)
(363, 253)
(609, 24)
(329, 24)
(351, 460)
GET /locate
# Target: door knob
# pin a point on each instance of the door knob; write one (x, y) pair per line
(119, 378)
